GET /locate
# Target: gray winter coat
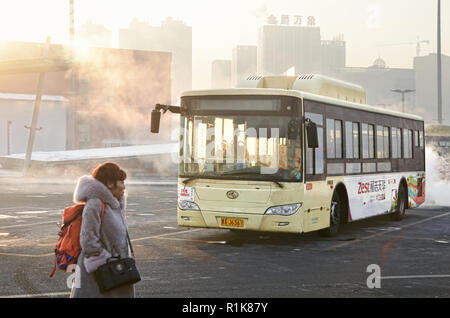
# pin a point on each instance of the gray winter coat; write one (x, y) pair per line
(99, 239)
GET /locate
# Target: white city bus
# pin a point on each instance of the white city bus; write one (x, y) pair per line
(294, 154)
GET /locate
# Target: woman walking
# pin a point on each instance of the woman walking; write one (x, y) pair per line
(101, 238)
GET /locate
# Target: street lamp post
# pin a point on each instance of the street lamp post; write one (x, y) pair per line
(439, 64)
(8, 136)
(403, 92)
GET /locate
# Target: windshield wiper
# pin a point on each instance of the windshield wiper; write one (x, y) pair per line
(185, 182)
(251, 171)
(220, 176)
(248, 170)
(277, 183)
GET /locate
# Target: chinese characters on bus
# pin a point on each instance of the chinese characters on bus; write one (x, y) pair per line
(372, 186)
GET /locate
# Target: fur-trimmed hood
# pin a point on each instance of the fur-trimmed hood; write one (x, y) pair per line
(90, 188)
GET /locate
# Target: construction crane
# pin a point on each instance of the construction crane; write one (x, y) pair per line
(417, 43)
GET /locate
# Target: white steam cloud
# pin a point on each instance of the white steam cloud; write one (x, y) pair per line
(437, 186)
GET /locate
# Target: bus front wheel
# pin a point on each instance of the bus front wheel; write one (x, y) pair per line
(335, 217)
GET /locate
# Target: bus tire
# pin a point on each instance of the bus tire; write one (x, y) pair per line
(336, 213)
(402, 204)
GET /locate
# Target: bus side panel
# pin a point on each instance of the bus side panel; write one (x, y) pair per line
(372, 195)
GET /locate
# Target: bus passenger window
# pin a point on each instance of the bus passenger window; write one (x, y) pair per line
(421, 139)
(382, 142)
(386, 142)
(314, 157)
(371, 141)
(351, 140)
(368, 142)
(331, 147)
(396, 140)
(334, 139)
(319, 152)
(407, 143)
(416, 138)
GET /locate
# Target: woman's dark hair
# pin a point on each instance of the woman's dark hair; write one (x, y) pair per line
(109, 171)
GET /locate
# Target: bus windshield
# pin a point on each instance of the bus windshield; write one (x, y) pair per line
(236, 146)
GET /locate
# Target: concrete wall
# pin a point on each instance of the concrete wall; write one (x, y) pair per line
(52, 119)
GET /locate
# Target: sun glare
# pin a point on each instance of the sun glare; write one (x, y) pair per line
(22, 20)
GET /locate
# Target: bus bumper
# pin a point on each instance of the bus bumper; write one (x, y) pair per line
(236, 221)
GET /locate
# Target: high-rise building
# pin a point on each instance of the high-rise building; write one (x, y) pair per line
(379, 80)
(243, 62)
(426, 87)
(172, 36)
(95, 35)
(332, 56)
(221, 74)
(283, 47)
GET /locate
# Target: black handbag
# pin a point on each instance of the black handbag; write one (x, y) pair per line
(117, 273)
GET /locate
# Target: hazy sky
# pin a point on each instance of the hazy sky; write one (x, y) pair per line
(218, 26)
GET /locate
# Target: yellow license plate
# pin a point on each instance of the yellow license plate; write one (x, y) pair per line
(233, 222)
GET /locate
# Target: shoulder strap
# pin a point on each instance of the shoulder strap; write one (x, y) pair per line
(80, 208)
(131, 246)
(103, 212)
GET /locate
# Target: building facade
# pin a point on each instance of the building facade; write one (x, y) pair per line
(295, 49)
(379, 80)
(283, 47)
(172, 36)
(110, 92)
(15, 116)
(221, 74)
(96, 35)
(333, 55)
(243, 63)
(426, 83)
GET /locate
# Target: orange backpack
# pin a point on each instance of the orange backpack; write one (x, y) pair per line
(68, 247)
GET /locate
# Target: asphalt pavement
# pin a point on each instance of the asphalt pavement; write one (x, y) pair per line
(370, 258)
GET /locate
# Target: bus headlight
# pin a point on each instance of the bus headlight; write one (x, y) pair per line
(284, 210)
(188, 205)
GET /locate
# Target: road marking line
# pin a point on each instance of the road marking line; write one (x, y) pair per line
(167, 209)
(165, 234)
(37, 295)
(27, 255)
(33, 212)
(414, 276)
(403, 237)
(22, 225)
(386, 231)
(4, 216)
(15, 208)
(182, 239)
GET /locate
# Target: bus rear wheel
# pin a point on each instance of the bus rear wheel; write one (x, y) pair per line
(402, 204)
(335, 217)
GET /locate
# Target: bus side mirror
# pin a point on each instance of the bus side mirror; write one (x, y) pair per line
(311, 134)
(155, 119)
(156, 115)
